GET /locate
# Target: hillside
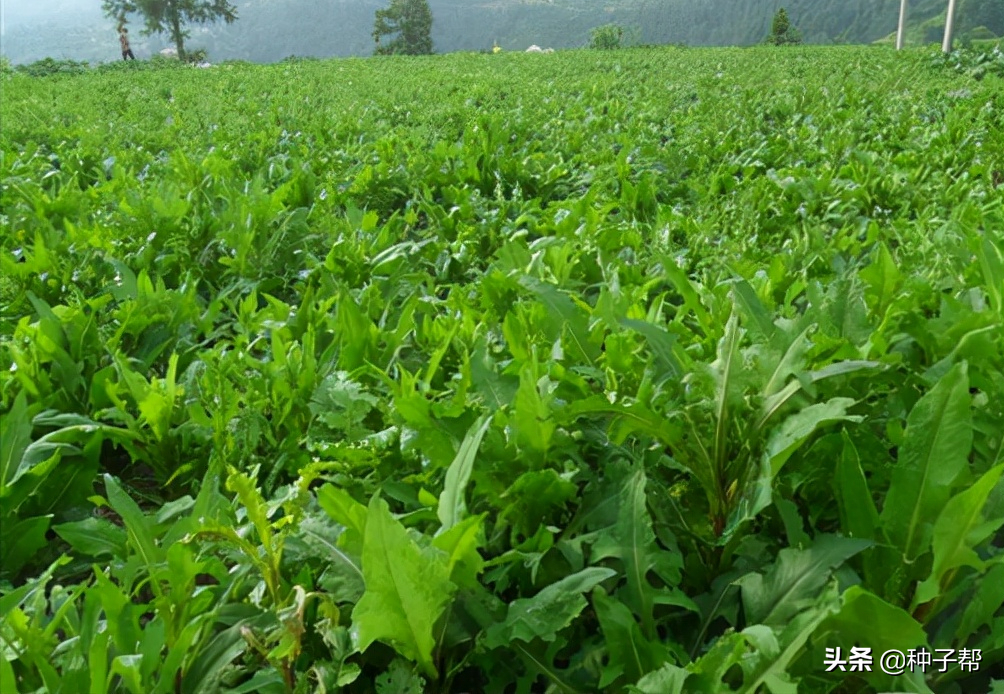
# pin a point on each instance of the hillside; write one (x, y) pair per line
(269, 30)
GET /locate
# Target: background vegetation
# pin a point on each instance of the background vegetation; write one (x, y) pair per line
(275, 29)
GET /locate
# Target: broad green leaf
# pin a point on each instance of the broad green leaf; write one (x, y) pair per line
(797, 429)
(631, 655)
(934, 452)
(407, 590)
(15, 435)
(8, 681)
(669, 679)
(547, 612)
(451, 502)
(960, 529)
(983, 603)
(858, 515)
(534, 497)
(569, 318)
(660, 342)
(745, 297)
(20, 541)
(763, 653)
(532, 413)
(136, 524)
(882, 278)
(210, 664)
(94, 537)
(128, 668)
(461, 544)
(257, 510)
(868, 620)
(633, 542)
(346, 511)
(794, 581)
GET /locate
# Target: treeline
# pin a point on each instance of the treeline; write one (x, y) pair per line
(270, 30)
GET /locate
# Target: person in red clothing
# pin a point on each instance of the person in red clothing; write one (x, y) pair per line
(124, 40)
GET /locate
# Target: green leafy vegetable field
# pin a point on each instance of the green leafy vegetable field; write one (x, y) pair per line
(657, 371)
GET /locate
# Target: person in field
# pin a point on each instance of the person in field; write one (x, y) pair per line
(124, 40)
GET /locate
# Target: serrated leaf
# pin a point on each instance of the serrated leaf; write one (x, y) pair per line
(669, 679)
(633, 542)
(547, 612)
(795, 579)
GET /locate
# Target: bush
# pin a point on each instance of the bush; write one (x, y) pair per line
(50, 66)
(606, 37)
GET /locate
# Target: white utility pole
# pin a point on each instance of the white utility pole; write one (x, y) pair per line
(946, 45)
(902, 25)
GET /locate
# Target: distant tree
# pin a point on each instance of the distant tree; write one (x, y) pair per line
(172, 17)
(608, 37)
(408, 23)
(782, 31)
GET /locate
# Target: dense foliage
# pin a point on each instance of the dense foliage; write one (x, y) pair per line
(782, 31)
(403, 28)
(172, 17)
(639, 371)
(606, 37)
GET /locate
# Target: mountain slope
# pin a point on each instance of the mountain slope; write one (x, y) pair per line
(269, 30)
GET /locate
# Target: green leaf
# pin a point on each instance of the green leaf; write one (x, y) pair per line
(128, 668)
(451, 501)
(935, 450)
(20, 541)
(983, 603)
(15, 435)
(797, 429)
(882, 278)
(547, 612)
(631, 655)
(660, 342)
(960, 529)
(569, 318)
(346, 511)
(747, 299)
(633, 542)
(399, 678)
(137, 525)
(407, 590)
(94, 537)
(460, 543)
(8, 682)
(858, 515)
(211, 663)
(868, 620)
(794, 581)
(669, 679)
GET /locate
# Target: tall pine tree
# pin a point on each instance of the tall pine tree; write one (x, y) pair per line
(781, 30)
